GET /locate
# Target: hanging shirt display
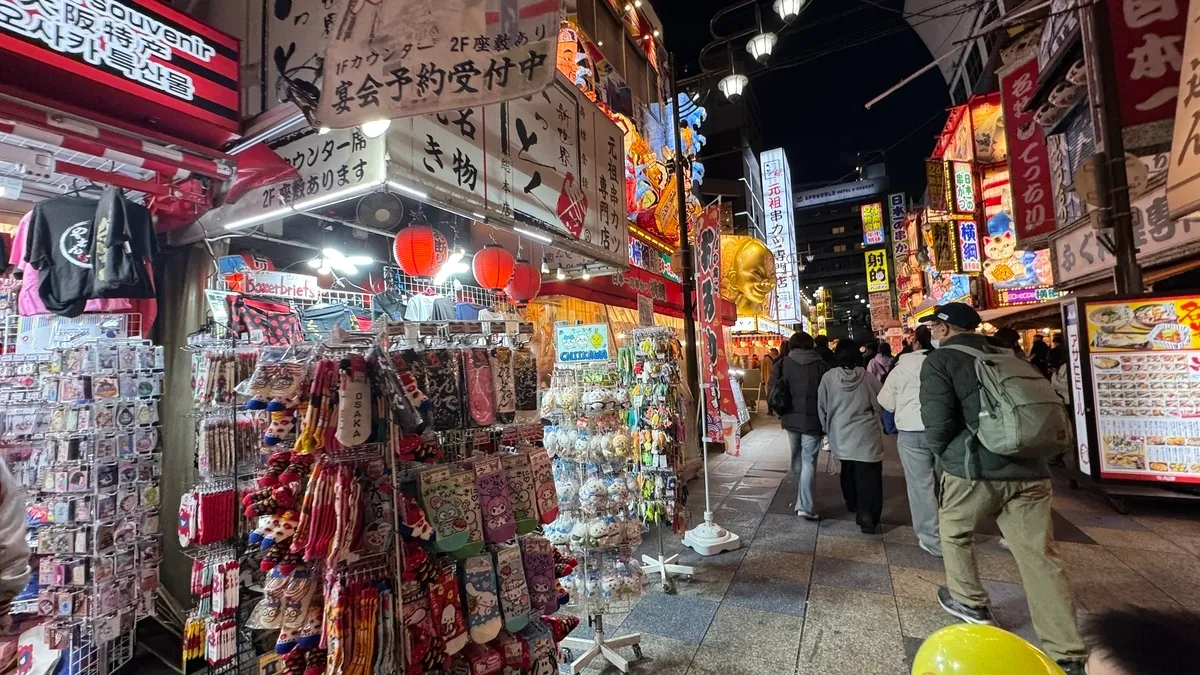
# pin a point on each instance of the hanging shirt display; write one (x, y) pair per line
(59, 247)
(123, 245)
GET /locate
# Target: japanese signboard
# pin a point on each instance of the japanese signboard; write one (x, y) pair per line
(945, 245)
(881, 310)
(781, 233)
(1026, 296)
(297, 32)
(968, 247)
(877, 271)
(1078, 254)
(963, 187)
(935, 176)
(553, 162)
(386, 60)
(1183, 172)
(1147, 38)
(1028, 158)
(645, 307)
(581, 344)
(714, 378)
(839, 193)
(1145, 364)
(338, 164)
(898, 225)
(142, 47)
(1078, 402)
(872, 224)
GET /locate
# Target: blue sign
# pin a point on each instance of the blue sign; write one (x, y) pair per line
(581, 344)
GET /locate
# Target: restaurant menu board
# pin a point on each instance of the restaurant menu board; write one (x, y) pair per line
(1145, 359)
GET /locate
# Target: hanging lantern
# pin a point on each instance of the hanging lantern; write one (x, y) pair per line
(733, 86)
(493, 267)
(525, 284)
(788, 10)
(420, 250)
(760, 46)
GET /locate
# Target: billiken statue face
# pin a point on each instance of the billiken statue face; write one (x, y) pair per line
(750, 274)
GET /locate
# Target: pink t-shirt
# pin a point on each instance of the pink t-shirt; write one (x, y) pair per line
(29, 303)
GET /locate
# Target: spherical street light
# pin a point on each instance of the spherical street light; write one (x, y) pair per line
(733, 86)
(760, 46)
(788, 9)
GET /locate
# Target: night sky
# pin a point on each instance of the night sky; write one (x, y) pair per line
(815, 109)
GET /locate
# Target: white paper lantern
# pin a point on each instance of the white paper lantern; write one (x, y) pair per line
(760, 46)
(733, 86)
(788, 9)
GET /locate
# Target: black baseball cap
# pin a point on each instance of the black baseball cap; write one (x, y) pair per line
(956, 314)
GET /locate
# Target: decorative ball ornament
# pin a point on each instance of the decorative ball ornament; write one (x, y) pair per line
(493, 267)
(525, 284)
(420, 250)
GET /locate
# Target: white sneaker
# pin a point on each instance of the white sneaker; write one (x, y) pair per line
(1004, 544)
(928, 550)
(807, 516)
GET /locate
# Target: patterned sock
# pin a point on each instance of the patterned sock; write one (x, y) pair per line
(514, 593)
(481, 392)
(525, 383)
(521, 490)
(483, 606)
(504, 383)
(495, 501)
(354, 403)
(539, 573)
(444, 389)
(441, 508)
(545, 493)
(446, 602)
(466, 499)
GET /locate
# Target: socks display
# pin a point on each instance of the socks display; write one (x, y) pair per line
(483, 603)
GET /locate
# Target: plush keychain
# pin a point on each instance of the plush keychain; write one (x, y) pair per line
(483, 605)
(481, 392)
(354, 402)
(514, 591)
(495, 501)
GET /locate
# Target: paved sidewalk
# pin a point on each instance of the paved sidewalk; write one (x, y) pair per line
(819, 599)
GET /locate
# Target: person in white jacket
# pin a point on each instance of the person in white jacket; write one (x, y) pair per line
(901, 394)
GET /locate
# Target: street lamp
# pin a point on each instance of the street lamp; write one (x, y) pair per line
(733, 85)
(760, 46)
(788, 10)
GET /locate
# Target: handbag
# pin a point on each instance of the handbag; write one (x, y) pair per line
(779, 398)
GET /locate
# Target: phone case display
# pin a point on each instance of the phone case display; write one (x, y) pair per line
(1145, 369)
(81, 426)
(589, 408)
(651, 363)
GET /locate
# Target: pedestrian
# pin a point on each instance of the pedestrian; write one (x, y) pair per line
(14, 552)
(905, 348)
(1137, 640)
(901, 395)
(764, 372)
(823, 350)
(1039, 354)
(978, 485)
(793, 397)
(869, 350)
(1009, 339)
(883, 362)
(850, 414)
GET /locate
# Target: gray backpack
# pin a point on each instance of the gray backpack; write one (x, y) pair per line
(1020, 416)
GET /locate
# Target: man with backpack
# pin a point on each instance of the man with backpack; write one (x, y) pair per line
(795, 381)
(992, 420)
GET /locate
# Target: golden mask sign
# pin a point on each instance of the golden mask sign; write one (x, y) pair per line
(747, 273)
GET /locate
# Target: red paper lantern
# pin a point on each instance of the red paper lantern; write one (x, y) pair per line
(420, 250)
(493, 267)
(525, 284)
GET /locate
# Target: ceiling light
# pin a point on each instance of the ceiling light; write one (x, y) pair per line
(375, 128)
(599, 43)
(857, 296)
(760, 46)
(628, 7)
(534, 235)
(586, 275)
(411, 191)
(733, 86)
(788, 10)
(545, 268)
(453, 265)
(560, 275)
(332, 259)
(637, 3)
(657, 32)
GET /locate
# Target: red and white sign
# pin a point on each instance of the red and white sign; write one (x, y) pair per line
(1147, 37)
(1032, 196)
(781, 233)
(714, 367)
(282, 285)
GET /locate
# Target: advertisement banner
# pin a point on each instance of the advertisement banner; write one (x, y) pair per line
(872, 224)
(935, 176)
(945, 246)
(877, 271)
(968, 247)
(881, 310)
(385, 60)
(781, 233)
(581, 344)
(839, 193)
(899, 226)
(1078, 400)
(1183, 172)
(1028, 158)
(963, 187)
(1145, 361)
(1147, 40)
(714, 368)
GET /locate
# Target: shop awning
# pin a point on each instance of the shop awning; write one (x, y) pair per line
(622, 290)
(1015, 313)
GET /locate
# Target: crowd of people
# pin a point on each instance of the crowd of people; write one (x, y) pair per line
(931, 397)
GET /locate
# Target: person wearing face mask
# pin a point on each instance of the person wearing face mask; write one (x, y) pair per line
(978, 485)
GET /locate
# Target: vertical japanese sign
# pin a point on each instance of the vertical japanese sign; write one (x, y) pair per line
(1183, 172)
(877, 271)
(714, 369)
(1078, 401)
(968, 247)
(945, 246)
(872, 224)
(1147, 38)
(385, 60)
(1028, 158)
(896, 221)
(781, 233)
(963, 187)
(935, 176)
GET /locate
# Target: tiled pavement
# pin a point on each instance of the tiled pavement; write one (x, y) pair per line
(812, 599)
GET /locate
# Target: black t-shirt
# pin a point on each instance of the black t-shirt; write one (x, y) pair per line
(59, 247)
(124, 237)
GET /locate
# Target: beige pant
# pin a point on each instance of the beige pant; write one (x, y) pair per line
(1022, 509)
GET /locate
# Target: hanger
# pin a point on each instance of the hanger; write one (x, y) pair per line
(76, 188)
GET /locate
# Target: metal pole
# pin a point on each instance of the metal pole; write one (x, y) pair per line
(685, 251)
(1114, 207)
